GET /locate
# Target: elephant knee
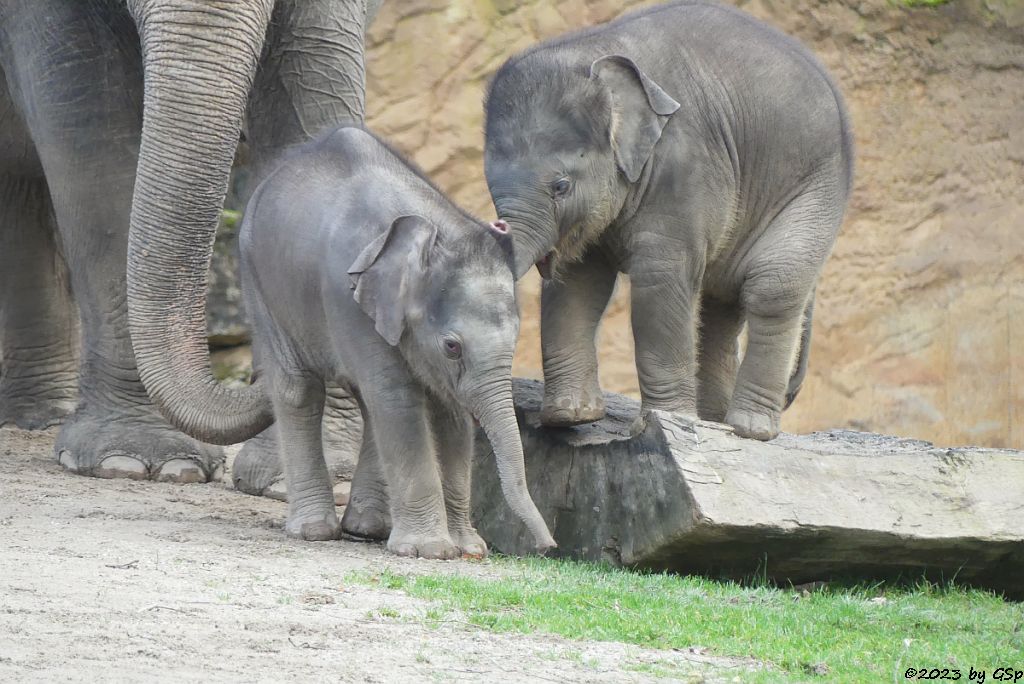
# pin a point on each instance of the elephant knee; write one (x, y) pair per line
(775, 295)
(299, 393)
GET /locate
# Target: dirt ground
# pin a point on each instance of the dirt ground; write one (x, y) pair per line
(128, 581)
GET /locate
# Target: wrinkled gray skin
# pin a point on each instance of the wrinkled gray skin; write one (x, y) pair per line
(357, 272)
(77, 166)
(701, 152)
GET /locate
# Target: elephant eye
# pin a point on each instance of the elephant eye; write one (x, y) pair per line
(452, 348)
(561, 187)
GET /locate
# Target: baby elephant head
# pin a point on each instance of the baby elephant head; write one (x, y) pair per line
(446, 299)
(563, 148)
(449, 295)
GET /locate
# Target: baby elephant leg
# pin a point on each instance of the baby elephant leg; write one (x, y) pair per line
(720, 326)
(399, 418)
(298, 410)
(775, 293)
(571, 309)
(756, 407)
(454, 433)
(663, 318)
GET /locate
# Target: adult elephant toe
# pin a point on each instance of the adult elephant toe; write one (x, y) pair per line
(257, 469)
(146, 449)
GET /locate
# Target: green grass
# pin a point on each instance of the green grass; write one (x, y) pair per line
(224, 372)
(230, 218)
(848, 634)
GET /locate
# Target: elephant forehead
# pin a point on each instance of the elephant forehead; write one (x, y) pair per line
(529, 145)
(483, 295)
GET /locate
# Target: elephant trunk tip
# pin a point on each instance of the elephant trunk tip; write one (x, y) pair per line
(544, 543)
(542, 539)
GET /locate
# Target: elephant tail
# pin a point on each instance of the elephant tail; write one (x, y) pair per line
(796, 377)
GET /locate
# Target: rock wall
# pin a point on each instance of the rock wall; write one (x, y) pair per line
(920, 311)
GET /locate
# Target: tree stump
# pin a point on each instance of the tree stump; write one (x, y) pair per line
(668, 493)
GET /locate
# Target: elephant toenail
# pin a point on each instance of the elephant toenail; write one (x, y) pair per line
(121, 467)
(67, 459)
(182, 470)
(218, 474)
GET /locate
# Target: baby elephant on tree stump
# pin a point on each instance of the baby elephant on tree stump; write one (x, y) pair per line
(706, 155)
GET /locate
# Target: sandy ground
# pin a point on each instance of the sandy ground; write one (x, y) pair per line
(129, 581)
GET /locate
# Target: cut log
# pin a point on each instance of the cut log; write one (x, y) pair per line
(668, 493)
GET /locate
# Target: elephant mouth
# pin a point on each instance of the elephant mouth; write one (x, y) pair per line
(544, 266)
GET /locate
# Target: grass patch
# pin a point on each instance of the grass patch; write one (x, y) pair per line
(849, 633)
(230, 218)
(224, 372)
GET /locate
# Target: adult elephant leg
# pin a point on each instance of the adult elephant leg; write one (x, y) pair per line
(312, 75)
(718, 357)
(38, 321)
(76, 72)
(257, 469)
(368, 513)
(571, 310)
(342, 438)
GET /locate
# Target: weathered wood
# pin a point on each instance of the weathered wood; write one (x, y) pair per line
(669, 493)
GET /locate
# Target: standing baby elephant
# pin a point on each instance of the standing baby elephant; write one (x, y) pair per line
(359, 272)
(701, 152)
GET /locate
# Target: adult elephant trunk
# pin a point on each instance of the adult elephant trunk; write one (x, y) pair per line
(497, 415)
(200, 57)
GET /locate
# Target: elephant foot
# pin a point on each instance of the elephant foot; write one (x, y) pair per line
(136, 445)
(759, 424)
(564, 409)
(37, 405)
(713, 410)
(257, 469)
(32, 415)
(313, 526)
(415, 545)
(367, 516)
(471, 544)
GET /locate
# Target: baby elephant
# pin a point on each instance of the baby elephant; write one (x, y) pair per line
(701, 152)
(356, 270)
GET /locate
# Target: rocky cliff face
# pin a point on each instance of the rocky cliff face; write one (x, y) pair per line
(920, 315)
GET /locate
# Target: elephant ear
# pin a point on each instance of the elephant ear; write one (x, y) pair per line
(388, 275)
(640, 110)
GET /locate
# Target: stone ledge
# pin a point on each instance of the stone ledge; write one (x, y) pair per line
(690, 496)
